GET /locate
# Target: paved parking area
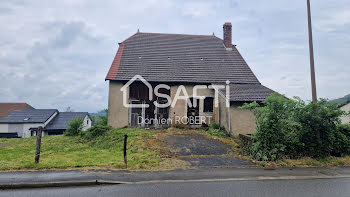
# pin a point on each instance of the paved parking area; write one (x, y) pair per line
(200, 150)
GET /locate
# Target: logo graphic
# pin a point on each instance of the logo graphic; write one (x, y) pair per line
(181, 90)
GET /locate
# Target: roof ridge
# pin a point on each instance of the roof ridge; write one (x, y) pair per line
(42, 109)
(74, 112)
(175, 34)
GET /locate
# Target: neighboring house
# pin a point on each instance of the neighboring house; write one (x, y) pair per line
(59, 124)
(7, 108)
(346, 118)
(189, 60)
(24, 123)
(19, 123)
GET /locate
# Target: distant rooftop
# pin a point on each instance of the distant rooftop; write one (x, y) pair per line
(29, 116)
(7, 108)
(60, 122)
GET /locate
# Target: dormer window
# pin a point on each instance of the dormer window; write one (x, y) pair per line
(25, 119)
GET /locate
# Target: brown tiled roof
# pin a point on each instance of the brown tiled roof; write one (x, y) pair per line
(245, 92)
(249, 92)
(112, 73)
(7, 108)
(179, 58)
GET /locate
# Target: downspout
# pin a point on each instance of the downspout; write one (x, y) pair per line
(228, 113)
(229, 118)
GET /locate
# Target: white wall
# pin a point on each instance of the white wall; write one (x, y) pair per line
(4, 128)
(345, 119)
(27, 126)
(87, 123)
(52, 117)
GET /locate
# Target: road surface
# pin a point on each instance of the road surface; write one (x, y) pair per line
(269, 188)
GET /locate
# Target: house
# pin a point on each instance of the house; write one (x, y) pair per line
(24, 123)
(59, 124)
(7, 108)
(345, 119)
(206, 76)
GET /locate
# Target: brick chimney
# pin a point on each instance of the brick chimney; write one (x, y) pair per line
(228, 35)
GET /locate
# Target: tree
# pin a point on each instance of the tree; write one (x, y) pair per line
(75, 126)
(69, 109)
(101, 119)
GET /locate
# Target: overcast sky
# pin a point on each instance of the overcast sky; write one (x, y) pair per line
(55, 54)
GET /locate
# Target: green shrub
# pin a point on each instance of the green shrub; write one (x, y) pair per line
(74, 126)
(95, 131)
(217, 126)
(216, 129)
(344, 129)
(341, 144)
(318, 132)
(100, 120)
(245, 143)
(276, 135)
(292, 128)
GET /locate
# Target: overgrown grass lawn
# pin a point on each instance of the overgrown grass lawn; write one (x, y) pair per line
(66, 152)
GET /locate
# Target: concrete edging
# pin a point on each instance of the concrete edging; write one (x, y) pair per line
(56, 184)
(110, 182)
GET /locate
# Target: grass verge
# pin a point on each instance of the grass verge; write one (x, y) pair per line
(146, 151)
(71, 152)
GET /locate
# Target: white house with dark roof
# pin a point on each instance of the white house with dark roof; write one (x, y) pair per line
(183, 61)
(59, 124)
(24, 123)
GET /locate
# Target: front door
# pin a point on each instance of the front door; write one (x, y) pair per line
(193, 112)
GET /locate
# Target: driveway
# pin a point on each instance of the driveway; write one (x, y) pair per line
(200, 150)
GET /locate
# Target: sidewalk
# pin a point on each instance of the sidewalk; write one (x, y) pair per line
(30, 179)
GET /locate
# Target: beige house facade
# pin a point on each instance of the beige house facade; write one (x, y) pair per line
(235, 120)
(203, 77)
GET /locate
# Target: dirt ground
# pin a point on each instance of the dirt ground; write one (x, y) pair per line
(194, 148)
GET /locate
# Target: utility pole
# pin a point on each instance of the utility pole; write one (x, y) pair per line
(312, 64)
(311, 48)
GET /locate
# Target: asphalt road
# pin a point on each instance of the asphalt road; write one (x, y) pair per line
(270, 188)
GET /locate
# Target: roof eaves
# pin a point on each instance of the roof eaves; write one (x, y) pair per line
(52, 115)
(112, 73)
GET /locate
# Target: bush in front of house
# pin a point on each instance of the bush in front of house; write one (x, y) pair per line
(74, 127)
(342, 141)
(319, 132)
(217, 130)
(95, 131)
(276, 134)
(289, 128)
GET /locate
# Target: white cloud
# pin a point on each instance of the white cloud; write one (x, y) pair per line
(55, 54)
(334, 20)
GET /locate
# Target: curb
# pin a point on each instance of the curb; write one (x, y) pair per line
(108, 182)
(56, 184)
